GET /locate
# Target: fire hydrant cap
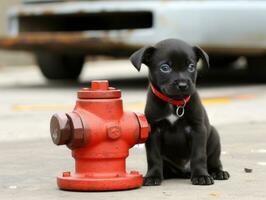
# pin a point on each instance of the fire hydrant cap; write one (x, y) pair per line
(99, 90)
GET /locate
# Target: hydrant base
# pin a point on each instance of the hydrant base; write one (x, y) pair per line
(77, 183)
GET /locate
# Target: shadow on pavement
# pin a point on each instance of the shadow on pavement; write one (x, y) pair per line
(224, 77)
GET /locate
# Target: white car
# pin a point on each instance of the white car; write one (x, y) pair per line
(61, 33)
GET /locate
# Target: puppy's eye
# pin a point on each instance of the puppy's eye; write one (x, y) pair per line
(165, 68)
(191, 68)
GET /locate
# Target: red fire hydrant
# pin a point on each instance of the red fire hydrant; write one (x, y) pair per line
(100, 134)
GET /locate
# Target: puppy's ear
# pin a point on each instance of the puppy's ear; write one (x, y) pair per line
(202, 55)
(140, 56)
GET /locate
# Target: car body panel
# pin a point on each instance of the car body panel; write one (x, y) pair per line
(225, 27)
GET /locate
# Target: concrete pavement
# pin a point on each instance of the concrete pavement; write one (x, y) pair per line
(29, 160)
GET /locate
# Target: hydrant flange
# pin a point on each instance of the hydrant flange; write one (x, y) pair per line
(68, 181)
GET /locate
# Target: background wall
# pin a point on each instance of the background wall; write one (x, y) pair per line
(11, 57)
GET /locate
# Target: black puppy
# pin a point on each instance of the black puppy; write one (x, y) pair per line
(182, 143)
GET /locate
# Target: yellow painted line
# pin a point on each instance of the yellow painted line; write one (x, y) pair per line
(209, 101)
(128, 106)
(134, 106)
(42, 107)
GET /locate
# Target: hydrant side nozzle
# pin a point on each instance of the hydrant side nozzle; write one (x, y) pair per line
(144, 127)
(60, 129)
(67, 129)
(77, 128)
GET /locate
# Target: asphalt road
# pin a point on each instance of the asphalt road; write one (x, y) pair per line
(30, 162)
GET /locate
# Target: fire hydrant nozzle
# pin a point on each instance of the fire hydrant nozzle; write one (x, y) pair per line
(60, 129)
(99, 133)
(67, 129)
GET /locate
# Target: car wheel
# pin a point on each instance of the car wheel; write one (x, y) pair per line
(60, 67)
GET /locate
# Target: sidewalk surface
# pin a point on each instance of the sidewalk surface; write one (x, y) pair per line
(30, 161)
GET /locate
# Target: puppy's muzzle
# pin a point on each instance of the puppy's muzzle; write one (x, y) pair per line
(182, 85)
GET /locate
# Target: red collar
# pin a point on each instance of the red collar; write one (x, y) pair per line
(168, 99)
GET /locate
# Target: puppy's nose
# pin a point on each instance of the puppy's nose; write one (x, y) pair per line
(182, 85)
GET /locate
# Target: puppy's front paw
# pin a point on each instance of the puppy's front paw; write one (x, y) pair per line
(152, 181)
(202, 180)
(220, 175)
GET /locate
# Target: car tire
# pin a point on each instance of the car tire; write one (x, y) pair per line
(220, 61)
(60, 67)
(257, 68)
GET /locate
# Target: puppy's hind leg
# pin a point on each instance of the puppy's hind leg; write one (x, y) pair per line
(214, 163)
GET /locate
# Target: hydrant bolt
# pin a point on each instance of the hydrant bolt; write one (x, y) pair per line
(113, 132)
(66, 174)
